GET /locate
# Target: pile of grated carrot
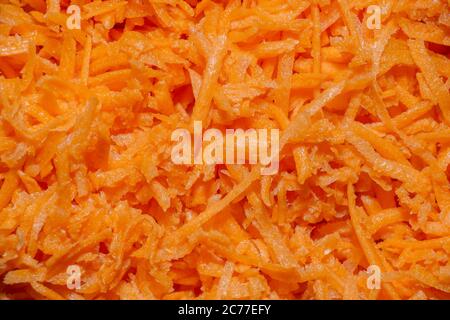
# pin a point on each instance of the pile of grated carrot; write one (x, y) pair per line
(86, 177)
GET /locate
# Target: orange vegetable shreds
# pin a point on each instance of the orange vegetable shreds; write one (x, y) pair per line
(88, 187)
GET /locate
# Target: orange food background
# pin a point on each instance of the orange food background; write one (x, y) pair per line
(86, 177)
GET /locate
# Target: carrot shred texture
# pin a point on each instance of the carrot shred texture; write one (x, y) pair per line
(86, 177)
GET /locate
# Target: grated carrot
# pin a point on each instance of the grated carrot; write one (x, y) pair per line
(86, 177)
